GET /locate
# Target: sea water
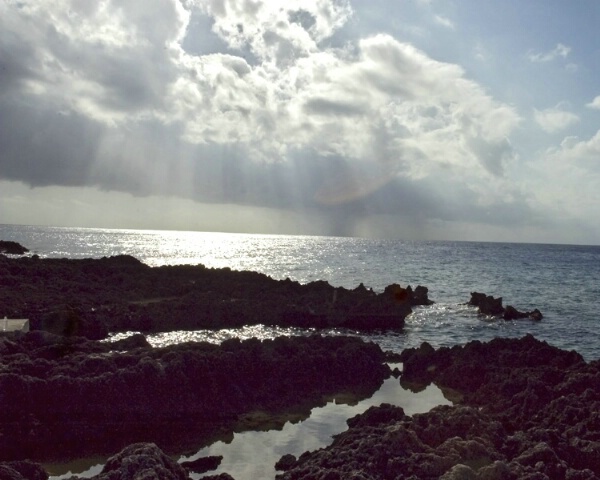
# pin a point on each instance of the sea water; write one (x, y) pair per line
(563, 281)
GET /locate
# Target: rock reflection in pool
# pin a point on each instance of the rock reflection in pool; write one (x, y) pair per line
(253, 454)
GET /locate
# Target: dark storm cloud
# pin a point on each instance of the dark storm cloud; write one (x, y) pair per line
(14, 63)
(44, 147)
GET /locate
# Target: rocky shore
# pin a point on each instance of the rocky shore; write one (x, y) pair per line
(525, 410)
(93, 297)
(65, 398)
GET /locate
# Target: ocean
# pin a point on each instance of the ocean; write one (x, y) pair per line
(563, 281)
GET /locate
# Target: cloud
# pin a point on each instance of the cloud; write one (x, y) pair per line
(555, 119)
(573, 170)
(595, 103)
(444, 22)
(560, 51)
(104, 62)
(583, 152)
(108, 96)
(274, 33)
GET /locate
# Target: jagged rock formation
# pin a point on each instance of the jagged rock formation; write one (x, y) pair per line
(93, 297)
(489, 305)
(527, 411)
(12, 248)
(66, 397)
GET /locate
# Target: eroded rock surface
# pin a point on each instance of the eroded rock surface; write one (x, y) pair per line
(528, 410)
(488, 305)
(65, 397)
(92, 297)
(12, 248)
(144, 461)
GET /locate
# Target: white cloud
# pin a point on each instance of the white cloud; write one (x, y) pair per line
(566, 182)
(385, 101)
(261, 122)
(273, 32)
(444, 21)
(595, 103)
(108, 63)
(572, 68)
(560, 51)
(555, 119)
(583, 152)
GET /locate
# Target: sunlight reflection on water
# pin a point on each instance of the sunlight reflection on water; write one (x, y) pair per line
(440, 324)
(253, 454)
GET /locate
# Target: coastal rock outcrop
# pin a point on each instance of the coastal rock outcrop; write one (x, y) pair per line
(12, 248)
(86, 397)
(203, 464)
(527, 410)
(92, 297)
(22, 470)
(489, 305)
(142, 461)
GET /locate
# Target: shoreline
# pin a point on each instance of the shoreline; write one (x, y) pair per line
(524, 408)
(528, 410)
(93, 297)
(69, 398)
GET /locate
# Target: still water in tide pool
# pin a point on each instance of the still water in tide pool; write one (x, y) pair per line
(253, 454)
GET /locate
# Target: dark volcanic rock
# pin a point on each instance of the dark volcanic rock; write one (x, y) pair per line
(92, 297)
(203, 464)
(69, 322)
(286, 462)
(22, 470)
(529, 410)
(87, 398)
(489, 305)
(420, 296)
(12, 248)
(142, 461)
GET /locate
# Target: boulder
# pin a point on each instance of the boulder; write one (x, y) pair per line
(489, 305)
(286, 462)
(203, 464)
(22, 470)
(420, 296)
(69, 322)
(12, 248)
(142, 461)
(511, 313)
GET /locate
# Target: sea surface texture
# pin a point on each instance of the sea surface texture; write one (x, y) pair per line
(563, 281)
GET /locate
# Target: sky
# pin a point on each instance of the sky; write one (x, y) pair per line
(422, 119)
